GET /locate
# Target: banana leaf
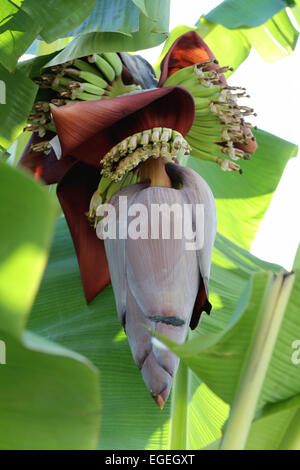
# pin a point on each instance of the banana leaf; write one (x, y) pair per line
(49, 396)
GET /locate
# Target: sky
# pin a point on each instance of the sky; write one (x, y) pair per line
(274, 91)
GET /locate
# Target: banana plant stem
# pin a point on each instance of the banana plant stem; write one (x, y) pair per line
(179, 409)
(244, 406)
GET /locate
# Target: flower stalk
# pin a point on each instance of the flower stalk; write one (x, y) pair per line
(179, 409)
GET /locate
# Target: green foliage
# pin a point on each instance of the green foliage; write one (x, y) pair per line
(242, 14)
(277, 427)
(221, 357)
(17, 31)
(27, 216)
(20, 94)
(55, 19)
(49, 396)
(21, 22)
(274, 37)
(107, 16)
(152, 31)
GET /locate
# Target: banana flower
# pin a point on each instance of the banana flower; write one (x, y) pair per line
(134, 140)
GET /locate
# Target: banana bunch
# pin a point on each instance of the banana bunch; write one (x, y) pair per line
(106, 189)
(97, 77)
(219, 121)
(120, 166)
(128, 154)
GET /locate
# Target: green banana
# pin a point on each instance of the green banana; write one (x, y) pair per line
(155, 136)
(72, 101)
(134, 140)
(207, 120)
(93, 89)
(185, 74)
(202, 145)
(211, 122)
(103, 184)
(180, 76)
(117, 185)
(87, 96)
(194, 87)
(105, 68)
(204, 137)
(204, 113)
(135, 178)
(201, 109)
(65, 81)
(85, 67)
(209, 125)
(82, 86)
(202, 103)
(203, 155)
(112, 189)
(114, 60)
(214, 136)
(88, 77)
(224, 163)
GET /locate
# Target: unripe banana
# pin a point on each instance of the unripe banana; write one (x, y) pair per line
(95, 90)
(194, 133)
(203, 145)
(78, 87)
(116, 185)
(114, 60)
(209, 119)
(204, 113)
(202, 103)
(87, 96)
(194, 87)
(135, 177)
(65, 81)
(88, 77)
(104, 184)
(93, 79)
(85, 67)
(209, 130)
(112, 189)
(180, 76)
(204, 155)
(105, 68)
